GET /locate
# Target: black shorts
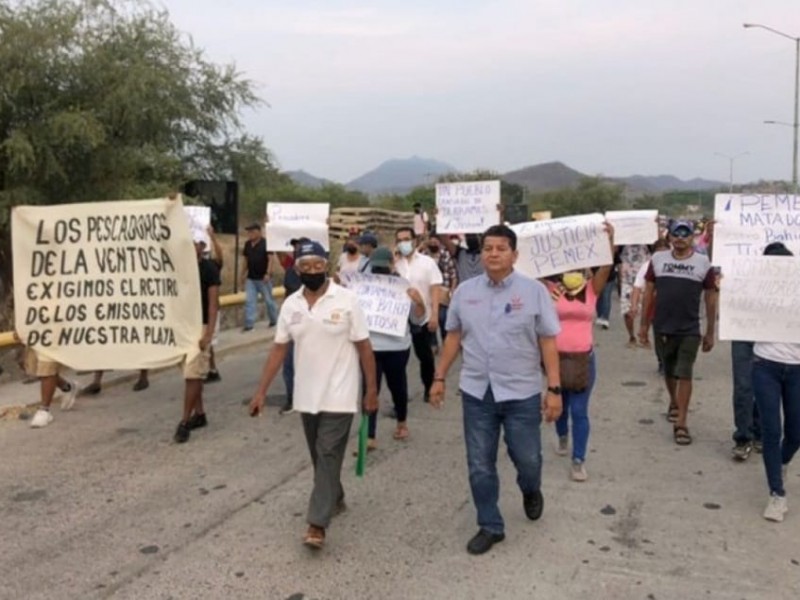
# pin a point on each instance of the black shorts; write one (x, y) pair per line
(678, 353)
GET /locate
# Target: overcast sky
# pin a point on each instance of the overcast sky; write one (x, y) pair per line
(617, 87)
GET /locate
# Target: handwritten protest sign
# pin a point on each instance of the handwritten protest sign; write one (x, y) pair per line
(199, 221)
(747, 223)
(559, 245)
(107, 285)
(634, 226)
(467, 207)
(384, 300)
(760, 299)
(288, 220)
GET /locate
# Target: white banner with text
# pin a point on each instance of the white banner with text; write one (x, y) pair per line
(107, 285)
(467, 207)
(760, 299)
(294, 220)
(560, 245)
(384, 300)
(633, 226)
(747, 223)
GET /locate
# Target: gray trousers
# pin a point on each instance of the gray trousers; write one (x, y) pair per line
(326, 435)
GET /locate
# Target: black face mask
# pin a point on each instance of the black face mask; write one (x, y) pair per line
(313, 281)
(350, 249)
(434, 249)
(381, 271)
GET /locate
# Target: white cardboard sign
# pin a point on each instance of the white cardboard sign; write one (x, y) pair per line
(292, 220)
(384, 300)
(467, 207)
(747, 223)
(634, 226)
(560, 245)
(760, 299)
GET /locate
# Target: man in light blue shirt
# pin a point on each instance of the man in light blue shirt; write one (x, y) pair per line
(505, 325)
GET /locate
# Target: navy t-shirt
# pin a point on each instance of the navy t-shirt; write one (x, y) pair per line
(209, 277)
(679, 285)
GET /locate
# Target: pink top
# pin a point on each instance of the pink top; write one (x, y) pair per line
(577, 322)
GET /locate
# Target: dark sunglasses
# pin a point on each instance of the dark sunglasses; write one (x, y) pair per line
(682, 233)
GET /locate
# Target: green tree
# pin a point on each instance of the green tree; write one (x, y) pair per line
(103, 99)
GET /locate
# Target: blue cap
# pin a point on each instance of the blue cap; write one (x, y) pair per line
(681, 225)
(309, 248)
(368, 238)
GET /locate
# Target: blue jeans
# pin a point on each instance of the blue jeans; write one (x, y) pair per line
(576, 406)
(745, 411)
(604, 301)
(288, 374)
(777, 385)
(252, 288)
(520, 420)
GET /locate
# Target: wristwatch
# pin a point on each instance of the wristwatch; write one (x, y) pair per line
(555, 390)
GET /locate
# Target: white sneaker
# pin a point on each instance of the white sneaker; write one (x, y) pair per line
(68, 399)
(776, 508)
(42, 418)
(563, 446)
(579, 472)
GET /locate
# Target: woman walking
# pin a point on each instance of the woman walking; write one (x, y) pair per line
(575, 297)
(776, 385)
(392, 353)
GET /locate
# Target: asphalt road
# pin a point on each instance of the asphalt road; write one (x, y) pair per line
(102, 504)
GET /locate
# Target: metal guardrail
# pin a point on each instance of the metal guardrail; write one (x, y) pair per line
(7, 337)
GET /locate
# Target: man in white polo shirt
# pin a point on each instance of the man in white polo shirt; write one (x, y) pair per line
(331, 338)
(424, 275)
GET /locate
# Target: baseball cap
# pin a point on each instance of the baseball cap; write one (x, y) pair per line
(310, 248)
(777, 249)
(676, 225)
(253, 226)
(368, 238)
(382, 257)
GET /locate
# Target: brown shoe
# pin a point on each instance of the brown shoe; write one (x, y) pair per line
(314, 537)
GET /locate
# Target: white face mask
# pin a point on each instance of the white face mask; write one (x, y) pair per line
(405, 247)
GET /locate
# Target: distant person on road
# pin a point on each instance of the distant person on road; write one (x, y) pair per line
(50, 381)
(196, 370)
(447, 267)
(776, 383)
(291, 284)
(575, 298)
(421, 221)
(331, 338)
(392, 353)
(350, 261)
(631, 258)
(423, 274)
(367, 244)
(637, 301)
(676, 281)
(468, 260)
(504, 326)
(257, 277)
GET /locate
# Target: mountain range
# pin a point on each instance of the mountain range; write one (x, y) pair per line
(399, 176)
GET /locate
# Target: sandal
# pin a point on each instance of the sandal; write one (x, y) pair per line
(672, 414)
(92, 389)
(314, 537)
(141, 385)
(682, 437)
(401, 433)
(372, 445)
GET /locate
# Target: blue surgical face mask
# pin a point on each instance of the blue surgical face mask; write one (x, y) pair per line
(405, 247)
